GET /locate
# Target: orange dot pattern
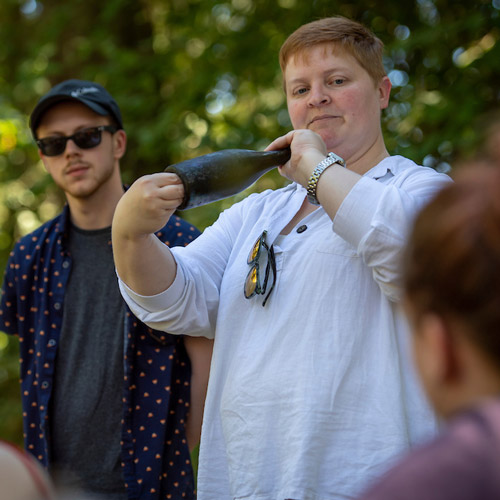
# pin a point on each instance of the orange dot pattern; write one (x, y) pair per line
(156, 391)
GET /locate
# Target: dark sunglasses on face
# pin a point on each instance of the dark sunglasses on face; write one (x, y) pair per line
(253, 281)
(86, 138)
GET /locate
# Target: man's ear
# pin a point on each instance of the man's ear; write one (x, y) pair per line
(42, 157)
(439, 348)
(120, 143)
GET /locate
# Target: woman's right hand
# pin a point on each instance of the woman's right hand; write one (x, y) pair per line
(148, 204)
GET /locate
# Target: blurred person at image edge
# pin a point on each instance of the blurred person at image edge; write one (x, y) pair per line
(452, 296)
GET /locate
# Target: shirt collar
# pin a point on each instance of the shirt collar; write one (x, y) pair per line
(63, 226)
(389, 166)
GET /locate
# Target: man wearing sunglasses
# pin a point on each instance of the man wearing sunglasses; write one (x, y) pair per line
(105, 398)
(311, 391)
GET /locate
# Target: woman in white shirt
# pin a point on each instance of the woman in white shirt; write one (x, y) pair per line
(311, 392)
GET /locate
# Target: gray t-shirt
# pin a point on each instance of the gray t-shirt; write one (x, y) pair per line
(86, 406)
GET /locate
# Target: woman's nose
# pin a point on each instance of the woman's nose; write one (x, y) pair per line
(318, 96)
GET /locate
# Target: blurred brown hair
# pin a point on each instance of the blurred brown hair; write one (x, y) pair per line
(452, 264)
(353, 37)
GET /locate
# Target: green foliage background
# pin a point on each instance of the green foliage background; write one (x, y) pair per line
(196, 76)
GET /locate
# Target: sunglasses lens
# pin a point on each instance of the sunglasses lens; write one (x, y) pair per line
(87, 139)
(254, 253)
(52, 146)
(251, 283)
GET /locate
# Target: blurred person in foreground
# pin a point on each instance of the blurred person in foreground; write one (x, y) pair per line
(452, 288)
(105, 398)
(311, 389)
(21, 476)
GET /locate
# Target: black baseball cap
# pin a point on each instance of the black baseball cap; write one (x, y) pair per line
(93, 95)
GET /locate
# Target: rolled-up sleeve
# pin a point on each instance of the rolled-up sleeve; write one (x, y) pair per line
(189, 306)
(377, 215)
(161, 311)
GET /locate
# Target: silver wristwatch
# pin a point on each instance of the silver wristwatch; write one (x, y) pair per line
(312, 184)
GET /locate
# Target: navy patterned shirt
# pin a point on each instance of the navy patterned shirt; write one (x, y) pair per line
(155, 456)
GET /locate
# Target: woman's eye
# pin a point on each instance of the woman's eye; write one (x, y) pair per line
(302, 90)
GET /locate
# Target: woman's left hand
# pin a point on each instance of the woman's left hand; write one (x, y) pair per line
(307, 148)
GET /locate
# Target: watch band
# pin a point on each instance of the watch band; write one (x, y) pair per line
(312, 184)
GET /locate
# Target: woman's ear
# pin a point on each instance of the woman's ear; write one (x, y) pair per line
(384, 90)
(437, 358)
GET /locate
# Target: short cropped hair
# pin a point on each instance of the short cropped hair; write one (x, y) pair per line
(452, 265)
(340, 32)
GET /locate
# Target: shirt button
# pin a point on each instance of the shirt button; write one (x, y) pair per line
(51, 343)
(65, 264)
(301, 229)
(57, 306)
(45, 384)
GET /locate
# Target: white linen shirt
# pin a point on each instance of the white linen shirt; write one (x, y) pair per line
(313, 395)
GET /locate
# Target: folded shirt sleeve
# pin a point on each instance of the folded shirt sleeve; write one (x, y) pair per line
(376, 217)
